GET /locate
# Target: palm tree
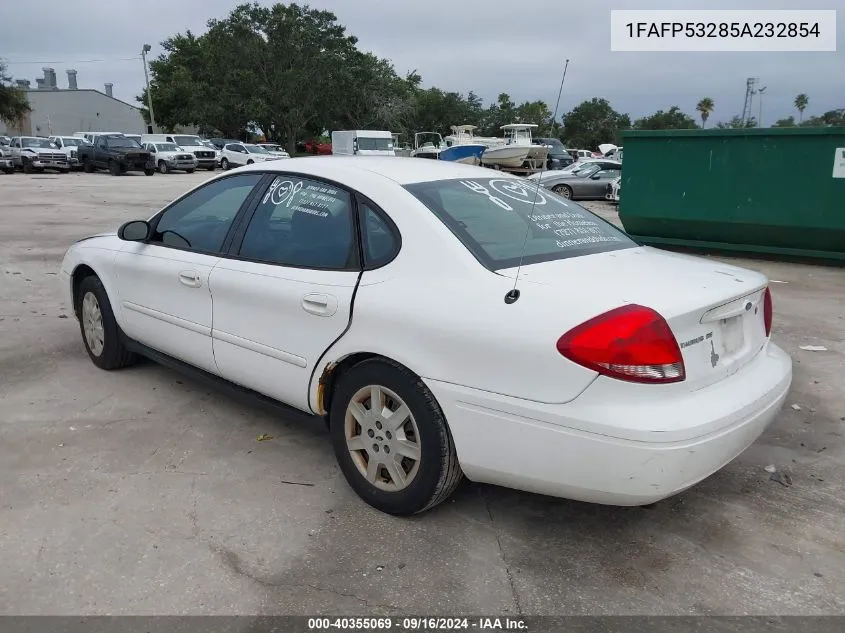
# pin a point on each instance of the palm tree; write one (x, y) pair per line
(801, 102)
(705, 107)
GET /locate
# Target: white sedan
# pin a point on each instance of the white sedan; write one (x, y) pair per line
(445, 321)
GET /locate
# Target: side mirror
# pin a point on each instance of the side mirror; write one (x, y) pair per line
(134, 231)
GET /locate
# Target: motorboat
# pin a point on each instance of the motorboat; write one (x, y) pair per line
(519, 134)
(427, 148)
(462, 147)
(399, 149)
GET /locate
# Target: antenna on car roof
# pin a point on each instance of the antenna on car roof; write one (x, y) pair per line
(513, 294)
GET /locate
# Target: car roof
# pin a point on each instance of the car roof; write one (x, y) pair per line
(400, 169)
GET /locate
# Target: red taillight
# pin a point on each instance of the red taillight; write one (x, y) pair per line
(631, 343)
(767, 311)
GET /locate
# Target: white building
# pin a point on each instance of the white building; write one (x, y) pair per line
(63, 111)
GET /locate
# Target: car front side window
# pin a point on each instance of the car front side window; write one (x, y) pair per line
(302, 223)
(201, 220)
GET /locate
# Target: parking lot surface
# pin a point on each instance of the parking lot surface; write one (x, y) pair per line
(142, 492)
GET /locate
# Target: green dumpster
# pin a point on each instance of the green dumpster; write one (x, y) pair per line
(764, 190)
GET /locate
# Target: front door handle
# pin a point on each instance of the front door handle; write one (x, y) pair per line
(190, 278)
(319, 304)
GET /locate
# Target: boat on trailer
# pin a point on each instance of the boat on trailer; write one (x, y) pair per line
(427, 148)
(462, 147)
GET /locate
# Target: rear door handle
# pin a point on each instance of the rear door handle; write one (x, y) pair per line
(190, 278)
(319, 304)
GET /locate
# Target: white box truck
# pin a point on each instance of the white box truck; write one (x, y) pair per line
(362, 143)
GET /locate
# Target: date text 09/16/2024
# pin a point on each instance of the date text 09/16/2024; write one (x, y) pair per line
(420, 624)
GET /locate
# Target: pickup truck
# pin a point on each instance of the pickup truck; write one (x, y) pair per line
(116, 153)
(36, 153)
(6, 163)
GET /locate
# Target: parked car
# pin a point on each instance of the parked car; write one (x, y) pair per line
(36, 153)
(170, 157)
(5, 140)
(91, 136)
(69, 145)
(116, 153)
(317, 147)
(613, 189)
(7, 165)
(559, 156)
(569, 169)
(206, 158)
(275, 149)
(220, 143)
(352, 290)
(218, 153)
(240, 154)
(590, 182)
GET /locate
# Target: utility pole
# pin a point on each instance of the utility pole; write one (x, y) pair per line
(750, 83)
(760, 92)
(146, 49)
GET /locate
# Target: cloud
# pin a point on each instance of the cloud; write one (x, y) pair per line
(478, 45)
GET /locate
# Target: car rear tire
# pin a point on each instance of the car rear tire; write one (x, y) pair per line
(210, 168)
(224, 164)
(563, 190)
(100, 331)
(250, 162)
(150, 171)
(114, 168)
(87, 167)
(26, 166)
(162, 167)
(368, 439)
(10, 170)
(189, 171)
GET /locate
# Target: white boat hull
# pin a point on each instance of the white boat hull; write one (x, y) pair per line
(505, 156)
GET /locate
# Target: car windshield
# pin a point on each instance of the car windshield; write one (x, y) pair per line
(496, 220)
(587, 171)
(166, 147)
(122, 141)
(187, 140)
(272, 148)
(370, 144)
(43, 143)
(256, 149)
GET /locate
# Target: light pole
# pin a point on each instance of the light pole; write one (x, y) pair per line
(146, 49)
(760, 92)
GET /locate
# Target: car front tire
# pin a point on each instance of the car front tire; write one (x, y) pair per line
(162, 167)
(224, 164)
(391, 439)
(563, 190)
(100, 331)
(114, 168)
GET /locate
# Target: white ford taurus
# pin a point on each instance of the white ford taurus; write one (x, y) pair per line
(445, 323)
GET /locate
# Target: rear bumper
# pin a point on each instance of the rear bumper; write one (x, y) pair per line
(570, 450)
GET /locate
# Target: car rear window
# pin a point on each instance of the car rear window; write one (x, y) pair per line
(499, 222)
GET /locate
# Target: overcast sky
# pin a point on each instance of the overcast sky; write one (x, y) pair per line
(482, 45)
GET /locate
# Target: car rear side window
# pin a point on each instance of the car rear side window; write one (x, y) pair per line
(201, 220)
(302, 223)
(498, 220)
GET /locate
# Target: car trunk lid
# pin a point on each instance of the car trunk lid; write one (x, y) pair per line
(714, 310)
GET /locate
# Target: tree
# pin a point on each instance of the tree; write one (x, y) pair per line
(801, 102)
(835, 118)
(286, 69)
(737, 123)
(594, 122)
(673, 119)
(14, 105)
(787, 122)
(705, 107)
